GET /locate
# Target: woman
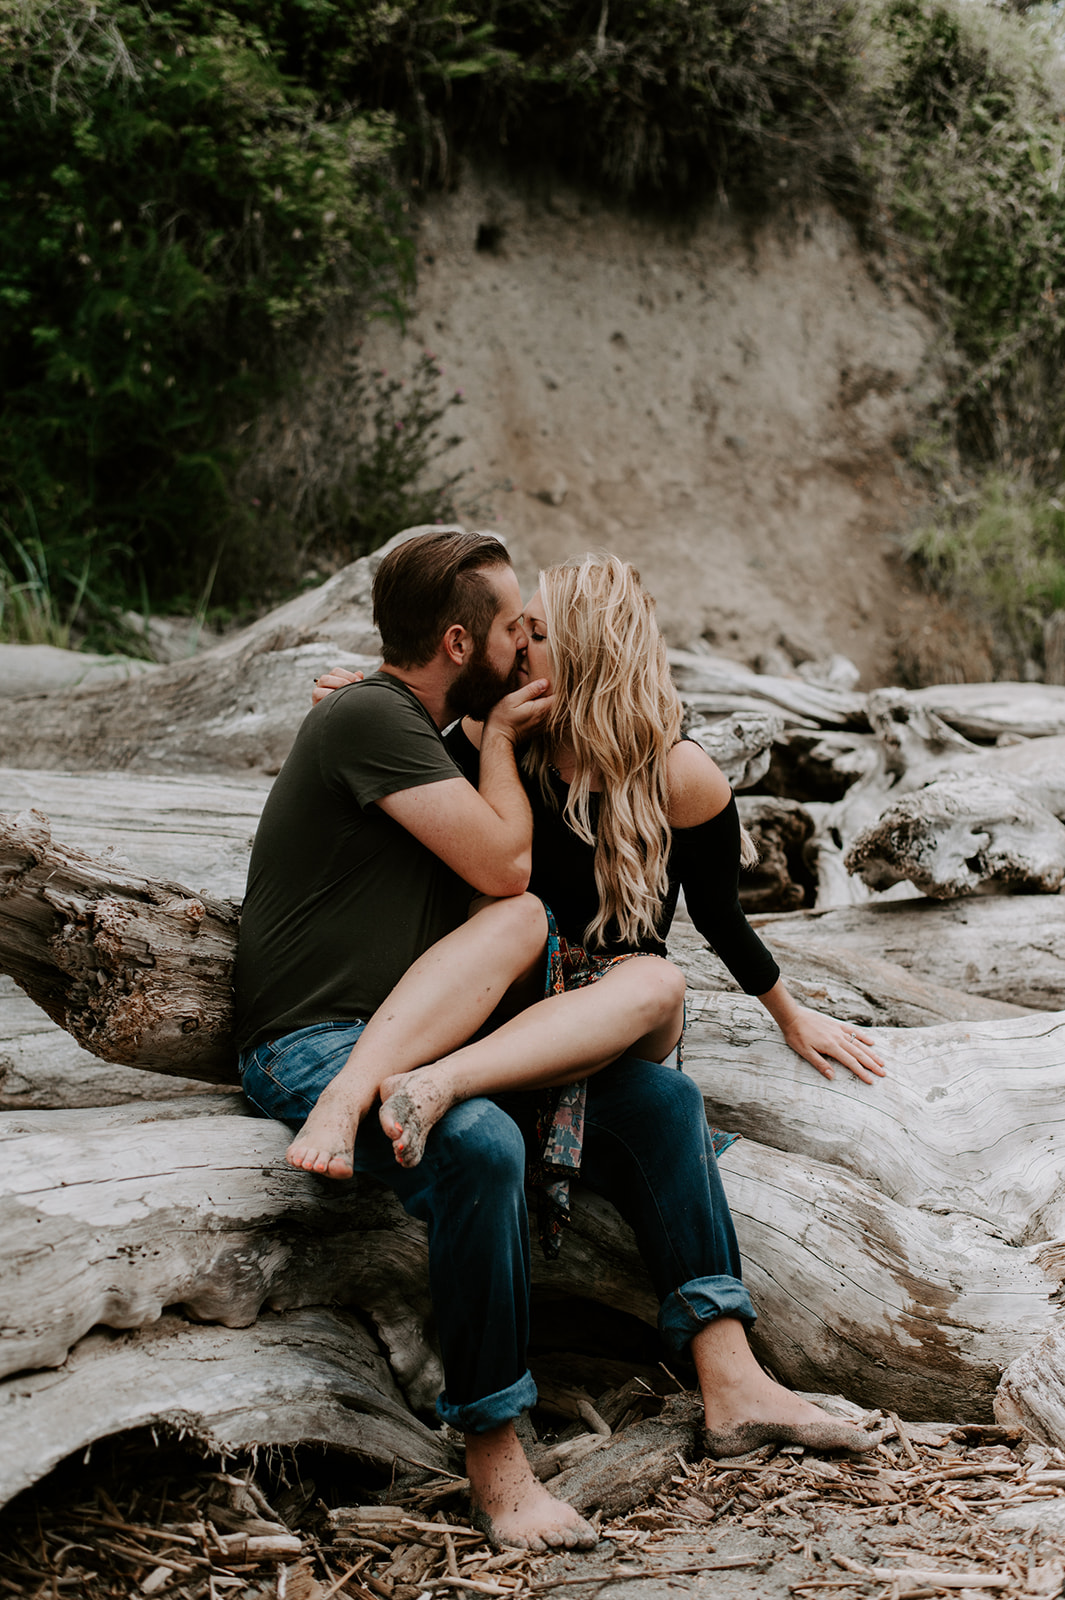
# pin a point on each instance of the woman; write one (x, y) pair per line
(626, 814)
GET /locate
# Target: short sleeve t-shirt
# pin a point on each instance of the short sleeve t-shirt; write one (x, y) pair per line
(341, 899)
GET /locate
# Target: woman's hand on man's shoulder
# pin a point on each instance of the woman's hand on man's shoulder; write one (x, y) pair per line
(698, 789)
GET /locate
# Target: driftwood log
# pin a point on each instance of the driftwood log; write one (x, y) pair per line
(136, 970)
(1009, 947)
(957, 835)
(308, 1377)
(903, 1241)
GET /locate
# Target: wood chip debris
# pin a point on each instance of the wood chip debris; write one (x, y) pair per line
(920, 1507)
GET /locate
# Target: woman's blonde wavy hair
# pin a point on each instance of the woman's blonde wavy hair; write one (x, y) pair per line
(615, 701)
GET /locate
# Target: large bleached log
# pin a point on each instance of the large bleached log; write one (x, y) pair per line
(1032, 1390)
(878, 993)
(192, 830)
(915, 748)
(714, 685)
(970, 1118)
(889, 1304)
(741, 744)
(913, 1277)
(989, 710)
(958, 835)
(309, 1377)
(138, 971)
(1007, 947)
(42, 1066)
(232, 709)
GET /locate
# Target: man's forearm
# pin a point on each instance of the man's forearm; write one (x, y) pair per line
(500, 785)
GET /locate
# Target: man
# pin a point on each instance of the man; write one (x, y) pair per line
(371, 848)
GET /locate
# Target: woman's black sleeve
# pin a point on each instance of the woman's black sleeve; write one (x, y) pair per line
(707, 861)
(460, 749)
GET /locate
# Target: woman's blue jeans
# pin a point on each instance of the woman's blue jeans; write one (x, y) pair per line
(646, 1149)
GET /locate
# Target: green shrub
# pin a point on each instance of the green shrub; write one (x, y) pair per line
(349, 457)
(173, 208)
(1001, 551)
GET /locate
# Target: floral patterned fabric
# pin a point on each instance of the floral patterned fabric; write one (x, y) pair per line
(560, 1112)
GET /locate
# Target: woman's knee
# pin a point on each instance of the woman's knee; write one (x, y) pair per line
(662, 986)
(519, 923)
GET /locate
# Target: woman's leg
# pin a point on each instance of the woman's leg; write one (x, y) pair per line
(636, 1006)
(442, 1000)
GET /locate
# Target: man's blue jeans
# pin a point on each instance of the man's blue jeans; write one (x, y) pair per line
(646, 1149)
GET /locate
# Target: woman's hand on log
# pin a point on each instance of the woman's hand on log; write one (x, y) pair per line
(335, 678)
(821, 1040)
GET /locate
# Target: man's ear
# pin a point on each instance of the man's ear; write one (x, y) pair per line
(456, 644)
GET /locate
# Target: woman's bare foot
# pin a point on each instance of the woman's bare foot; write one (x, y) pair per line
(745, 1408)
(510, 1506)
(412, 1103)
(326, 1142)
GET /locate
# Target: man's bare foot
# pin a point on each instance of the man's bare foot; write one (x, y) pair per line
(412, 1103)
(821, 1433)
(326, 1142)
(510, 1506)
(744, 1408)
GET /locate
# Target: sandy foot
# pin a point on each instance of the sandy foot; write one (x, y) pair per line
(326, 1141)
(549, 1525)
(412, 1103)
(821, 1432)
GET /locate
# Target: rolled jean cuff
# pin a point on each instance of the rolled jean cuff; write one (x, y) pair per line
(479, 1416)
(689, 1308)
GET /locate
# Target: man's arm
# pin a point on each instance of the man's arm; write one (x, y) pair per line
(483, 834)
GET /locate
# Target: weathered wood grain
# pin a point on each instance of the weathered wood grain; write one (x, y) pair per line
(970, 1118)
(309, 1377)
(957, 836)
(138, 970)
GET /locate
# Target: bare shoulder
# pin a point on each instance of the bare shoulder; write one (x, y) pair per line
(698, 789)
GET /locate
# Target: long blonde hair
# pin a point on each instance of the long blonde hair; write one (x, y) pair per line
(615, 701)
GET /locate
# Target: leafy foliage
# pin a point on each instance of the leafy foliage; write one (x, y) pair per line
(173, 207)
(1002, 551)
(361, 459)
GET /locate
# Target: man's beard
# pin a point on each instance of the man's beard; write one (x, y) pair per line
(479, 686)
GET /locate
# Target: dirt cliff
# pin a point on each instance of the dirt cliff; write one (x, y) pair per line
(722, 404)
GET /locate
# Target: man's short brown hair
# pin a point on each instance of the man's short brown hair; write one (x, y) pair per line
(427, 584)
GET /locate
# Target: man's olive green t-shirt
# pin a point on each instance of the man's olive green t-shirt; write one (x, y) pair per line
(341, 899)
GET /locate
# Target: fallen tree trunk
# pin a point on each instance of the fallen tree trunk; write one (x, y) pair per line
(1032, 1391)
(714, 685)
(310, 1377)
(191, 830)
(1006, 947)
(989, 710)
(235, 708)
(915, 1308)
(741, 744)
(43, 1066)
(138, 971)
(970, 1118)
(959, 835)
